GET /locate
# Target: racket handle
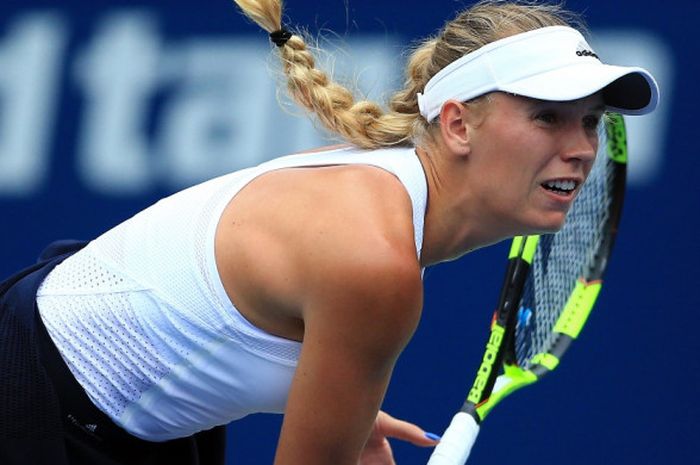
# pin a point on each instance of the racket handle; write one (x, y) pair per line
(456, 442)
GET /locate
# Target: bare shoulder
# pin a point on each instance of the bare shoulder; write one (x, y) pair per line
(303, 235)
(357, 226)
(361, 272)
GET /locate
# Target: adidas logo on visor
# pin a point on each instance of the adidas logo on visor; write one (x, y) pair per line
(583, 50)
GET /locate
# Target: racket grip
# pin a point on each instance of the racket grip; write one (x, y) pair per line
(456, 442)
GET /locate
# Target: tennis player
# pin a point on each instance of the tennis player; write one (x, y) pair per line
(292, 287)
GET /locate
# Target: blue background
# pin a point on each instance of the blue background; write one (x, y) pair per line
(627, 392)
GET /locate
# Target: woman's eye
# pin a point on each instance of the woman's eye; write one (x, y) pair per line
(591, 122)
(548, 118)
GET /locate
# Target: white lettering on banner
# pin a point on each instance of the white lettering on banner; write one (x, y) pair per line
(219, 114)
(219, 109)
(170, 113)
(30, 60)
(118, 73)
(225, 115)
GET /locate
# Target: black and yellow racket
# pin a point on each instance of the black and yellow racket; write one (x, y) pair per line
(551, 284)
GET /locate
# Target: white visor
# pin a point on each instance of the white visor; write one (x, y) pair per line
(552, 63)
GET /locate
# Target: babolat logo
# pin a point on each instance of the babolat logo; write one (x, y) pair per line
(486, 366)
(583, 50)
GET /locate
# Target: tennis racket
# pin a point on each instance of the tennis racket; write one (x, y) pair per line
(551, 284)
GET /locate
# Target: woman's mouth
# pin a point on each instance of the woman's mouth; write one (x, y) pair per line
(562, 187)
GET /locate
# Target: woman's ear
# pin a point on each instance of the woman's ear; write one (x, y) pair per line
(454, 127)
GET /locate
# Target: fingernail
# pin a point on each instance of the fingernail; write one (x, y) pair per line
(432, 436)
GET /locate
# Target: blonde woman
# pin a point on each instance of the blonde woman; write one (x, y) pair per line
(293, 286)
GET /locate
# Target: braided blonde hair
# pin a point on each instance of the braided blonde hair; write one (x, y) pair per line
(364, 123)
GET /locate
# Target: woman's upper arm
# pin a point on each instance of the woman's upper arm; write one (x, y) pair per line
(358, 316)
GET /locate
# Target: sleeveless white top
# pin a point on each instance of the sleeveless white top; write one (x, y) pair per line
(141, 318)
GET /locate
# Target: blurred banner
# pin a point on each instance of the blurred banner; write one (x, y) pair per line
(106, 106)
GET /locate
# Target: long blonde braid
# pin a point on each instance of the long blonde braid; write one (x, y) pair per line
(364, 123)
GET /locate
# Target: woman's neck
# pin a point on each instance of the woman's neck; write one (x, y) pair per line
(454, 225)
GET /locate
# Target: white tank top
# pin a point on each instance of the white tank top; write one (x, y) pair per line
(142, 320)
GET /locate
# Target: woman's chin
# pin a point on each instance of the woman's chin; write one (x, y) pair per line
(547, 225)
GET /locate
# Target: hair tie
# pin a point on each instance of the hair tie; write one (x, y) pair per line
(280, 37)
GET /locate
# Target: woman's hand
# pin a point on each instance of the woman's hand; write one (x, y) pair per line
(377, 451)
